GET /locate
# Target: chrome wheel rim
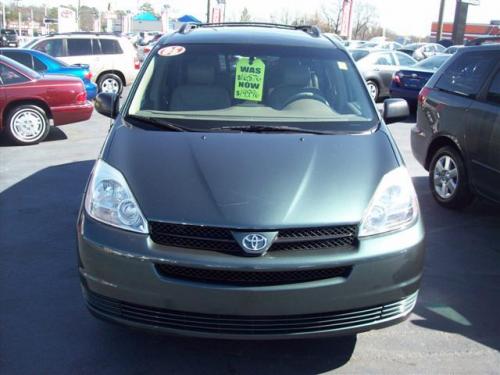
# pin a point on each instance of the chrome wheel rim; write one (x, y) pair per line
(372, 89)
(27, 125)
(110, 85)
(445, 177)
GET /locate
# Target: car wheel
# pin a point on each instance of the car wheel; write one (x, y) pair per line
(373, 89)
(448, 179)
(110, 83)
(27, 125)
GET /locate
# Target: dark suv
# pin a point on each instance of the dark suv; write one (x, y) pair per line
(457, 135)
(8, 38)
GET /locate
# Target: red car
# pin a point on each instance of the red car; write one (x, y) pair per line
(28, 101)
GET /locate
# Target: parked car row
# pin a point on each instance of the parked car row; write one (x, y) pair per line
(29, 101)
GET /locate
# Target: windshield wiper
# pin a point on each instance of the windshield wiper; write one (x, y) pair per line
(269, 128)
(159, 123)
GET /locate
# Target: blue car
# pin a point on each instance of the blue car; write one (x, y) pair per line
(45, 64)
(407, 83)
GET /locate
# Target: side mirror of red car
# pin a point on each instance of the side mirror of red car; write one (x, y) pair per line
(107, 104)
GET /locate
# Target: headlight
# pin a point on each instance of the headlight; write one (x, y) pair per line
(109, 200)
(394, 205)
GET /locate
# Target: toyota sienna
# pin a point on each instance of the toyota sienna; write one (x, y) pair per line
(249, 188)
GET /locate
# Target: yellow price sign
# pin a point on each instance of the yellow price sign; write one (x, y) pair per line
(249, 83)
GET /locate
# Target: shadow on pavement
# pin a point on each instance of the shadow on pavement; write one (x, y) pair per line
(55, 134)
(45, 327)
(461, 284)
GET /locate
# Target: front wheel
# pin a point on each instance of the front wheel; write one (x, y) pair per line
(27, 125)
(110, 83)
(448, 179)
(373, 89)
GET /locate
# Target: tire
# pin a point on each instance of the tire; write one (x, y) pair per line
(447, 169)
(110, 82)
(373, 89)
(27, 125)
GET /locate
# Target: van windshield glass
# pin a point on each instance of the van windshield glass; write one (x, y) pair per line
(201, 86)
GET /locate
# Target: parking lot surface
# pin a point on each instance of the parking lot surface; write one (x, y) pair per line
(46, 329)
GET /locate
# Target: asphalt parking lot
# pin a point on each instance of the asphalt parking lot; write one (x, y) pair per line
(46, 329)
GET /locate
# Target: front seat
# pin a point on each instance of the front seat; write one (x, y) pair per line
(295, 79)
(200, 91)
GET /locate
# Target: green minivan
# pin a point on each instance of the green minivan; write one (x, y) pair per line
(250, 189)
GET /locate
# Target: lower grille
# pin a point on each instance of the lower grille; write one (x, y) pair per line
(250, 325)
(221, 239)
(250, 278)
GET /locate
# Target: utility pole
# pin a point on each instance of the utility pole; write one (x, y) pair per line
(439, 31)
(78, 16)
(4, 20)
(459, 22)
(19, 17)
(208, 11)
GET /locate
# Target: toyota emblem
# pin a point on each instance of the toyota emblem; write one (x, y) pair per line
(254, 243)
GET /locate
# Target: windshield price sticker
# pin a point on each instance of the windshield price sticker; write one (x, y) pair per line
(249, 82)
(171, 51)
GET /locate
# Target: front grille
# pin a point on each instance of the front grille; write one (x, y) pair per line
(250, 325)
(250, 278)
(222, 240)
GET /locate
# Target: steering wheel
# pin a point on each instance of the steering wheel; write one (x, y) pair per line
(305, 95)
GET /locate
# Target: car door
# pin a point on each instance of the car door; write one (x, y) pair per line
(385, 66)
(79, 51)
(483, 138)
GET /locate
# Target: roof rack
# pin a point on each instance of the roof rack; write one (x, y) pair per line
(83, 33)
(310, 29)
(482, 40)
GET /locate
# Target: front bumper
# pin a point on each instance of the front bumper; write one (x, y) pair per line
(121, 283)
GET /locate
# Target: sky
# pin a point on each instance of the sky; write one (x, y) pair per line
(406, 17)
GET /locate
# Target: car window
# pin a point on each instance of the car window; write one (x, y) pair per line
(110, 47)
(384, 59)
(52, 47)
(21, 57)
(9, 76)
(467, 73)
(433, 62)
(404, 59)
(39, 65)
(79, 47)
(494, 90)
(439, 48)
(204, 85)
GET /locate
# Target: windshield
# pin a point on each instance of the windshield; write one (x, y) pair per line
(432, 63)
(8, 32)
(209, 84)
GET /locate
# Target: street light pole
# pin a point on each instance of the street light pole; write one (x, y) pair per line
(439, 32)
(208, 11)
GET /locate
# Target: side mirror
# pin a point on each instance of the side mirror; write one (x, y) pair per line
(395, 110)
(107, 104)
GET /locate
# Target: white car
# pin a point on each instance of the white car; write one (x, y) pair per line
(112, 60)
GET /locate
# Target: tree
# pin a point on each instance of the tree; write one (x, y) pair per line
(87, 16)
(147, 7)
(245, 15)
(365, 20)
(332, 14)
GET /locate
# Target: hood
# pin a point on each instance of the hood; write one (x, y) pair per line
(249, 180)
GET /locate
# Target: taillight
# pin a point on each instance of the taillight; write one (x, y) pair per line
(88, 75)
(147, 50)
(396, 78)
(422, 95)
(81, 97)
(137, 63)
